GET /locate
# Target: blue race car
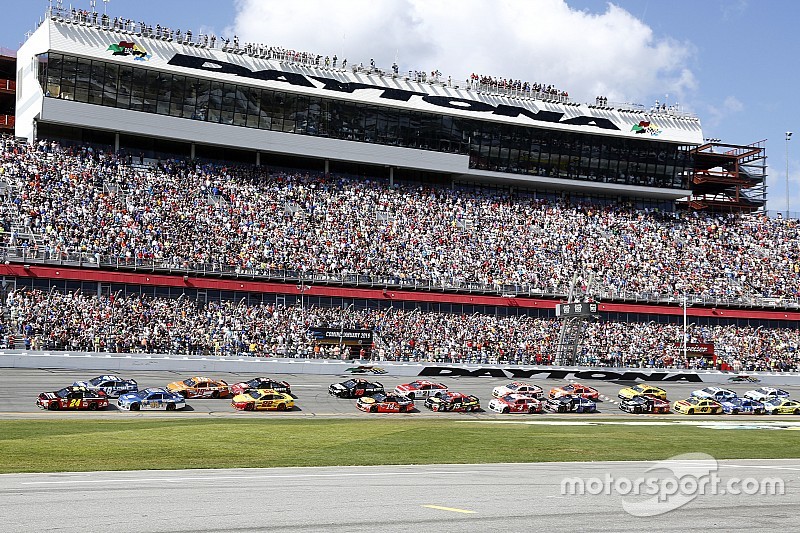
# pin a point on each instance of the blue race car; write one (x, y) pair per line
(570, 404)
(744, 406)
(110, 384)
(154, 398)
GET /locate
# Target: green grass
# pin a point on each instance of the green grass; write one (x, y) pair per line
(79, 445)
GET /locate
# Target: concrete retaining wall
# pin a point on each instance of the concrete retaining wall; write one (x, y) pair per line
(127, 362)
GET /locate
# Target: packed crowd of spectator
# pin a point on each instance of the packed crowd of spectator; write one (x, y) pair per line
(75, 321)
(516, 87)
(201, 216)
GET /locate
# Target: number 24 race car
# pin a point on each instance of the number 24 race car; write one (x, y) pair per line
(72, 398)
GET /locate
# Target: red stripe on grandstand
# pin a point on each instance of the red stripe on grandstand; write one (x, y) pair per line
(162, 280)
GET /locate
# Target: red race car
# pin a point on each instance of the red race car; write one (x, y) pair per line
(421, 389)
(515, 403)
(73, 398)
(575, 389)
(385, 403)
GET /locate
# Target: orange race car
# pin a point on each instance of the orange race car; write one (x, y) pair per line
(575, 389)
(200, 387)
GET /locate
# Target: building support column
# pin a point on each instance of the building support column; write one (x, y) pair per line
(116, 142)
(327, 167)
(391, 176)
(192, 152)
(258, 159)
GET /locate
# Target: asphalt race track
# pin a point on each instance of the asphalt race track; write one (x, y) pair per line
(20, 387)
(499, 497)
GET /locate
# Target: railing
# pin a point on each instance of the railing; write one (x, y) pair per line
(25, 254)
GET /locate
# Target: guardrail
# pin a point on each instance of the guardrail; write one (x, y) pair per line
(26, 254)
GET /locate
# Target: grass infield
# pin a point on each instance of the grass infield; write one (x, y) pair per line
(80, 445)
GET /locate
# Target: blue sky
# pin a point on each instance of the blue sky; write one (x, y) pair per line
(731, 62)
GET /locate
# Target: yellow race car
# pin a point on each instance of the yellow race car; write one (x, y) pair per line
(641, 390)
(782, 406)
(696, 406)
(262, 400)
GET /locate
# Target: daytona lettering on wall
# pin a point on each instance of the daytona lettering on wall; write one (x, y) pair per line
(386, 93)
(600, 375)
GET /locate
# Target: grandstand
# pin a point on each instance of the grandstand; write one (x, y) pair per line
(184, 194)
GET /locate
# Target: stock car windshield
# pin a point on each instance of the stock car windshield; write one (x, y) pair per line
(379, 397)
(63, 392)
(189, 382)
(96, 381)
(508, 398)
(254, 394)
(775, 401)
(350, 383)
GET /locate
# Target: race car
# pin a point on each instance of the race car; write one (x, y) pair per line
(715, 393)
(568, 403)
(421, 388)
(261, 383)
(640, 390)
(200, 387)
(385, 403)
(355, 388)
(764, 394)
(366, 369)
(110, 384)
(575, 389)
(152, 398)
(743, 406)
(782, 406)
(455, 402)
(515, 403)
(742, 378)
(518, 387)
(644, 403)
(694, 405)
(72, 398)
(262, 400)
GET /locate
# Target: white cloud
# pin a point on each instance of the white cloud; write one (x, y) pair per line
(611, 53)
(716, 114)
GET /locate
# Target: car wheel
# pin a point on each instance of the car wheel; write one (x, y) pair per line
(53, 406)
(438, 395)
(411, 396)
(249, 406)
(373, 409)
(135, 407)
(797, 411)
(184, 393)
(505, 410)
(170, 407)
(215, 394)
(531, 410)
(92, 406)
(735, 412)
(281, 407)
(690, 412)
(637, 410)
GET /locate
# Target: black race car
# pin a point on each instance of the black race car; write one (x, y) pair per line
(644, 403)
(570, 404)
(355, 388)
(261, 383)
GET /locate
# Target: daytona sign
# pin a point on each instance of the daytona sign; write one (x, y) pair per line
(333, 86)
(522, 373)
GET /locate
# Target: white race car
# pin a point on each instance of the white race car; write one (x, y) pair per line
(765, 394)
(518, 387)
(715, 393)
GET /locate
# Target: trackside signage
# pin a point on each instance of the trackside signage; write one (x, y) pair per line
(523, 373)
